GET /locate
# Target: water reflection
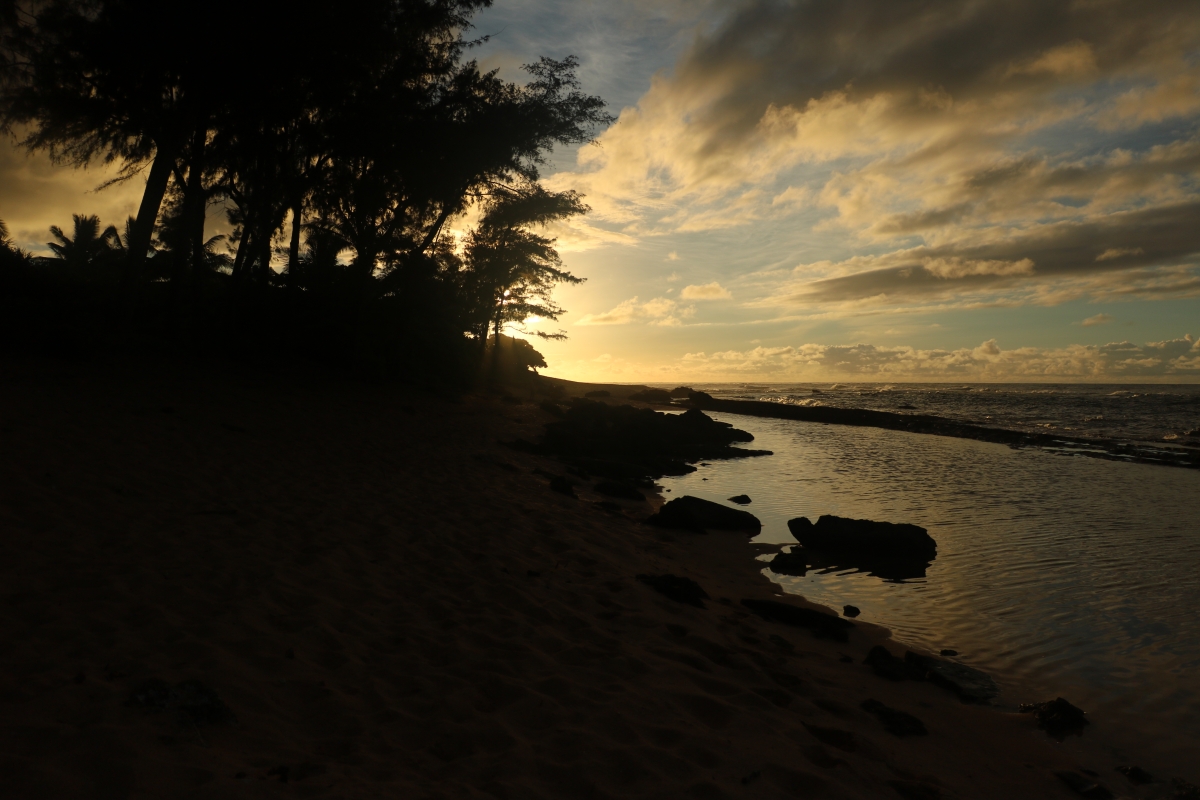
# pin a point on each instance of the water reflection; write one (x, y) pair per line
(1056, 575)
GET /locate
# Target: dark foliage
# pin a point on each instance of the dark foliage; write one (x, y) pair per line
(340, 144)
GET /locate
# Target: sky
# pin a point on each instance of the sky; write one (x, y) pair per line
(876, 190)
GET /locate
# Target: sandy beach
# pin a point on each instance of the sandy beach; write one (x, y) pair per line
(379, 599)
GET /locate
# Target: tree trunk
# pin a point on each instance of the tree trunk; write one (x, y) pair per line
(152, 197)
(195, 201)
(243, 251)
(294, 247)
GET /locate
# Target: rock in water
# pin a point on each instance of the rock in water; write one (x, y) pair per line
(681, 590)
(823, 626)
(897, 723)
(863, 537)
(741, 499)
(794, 563)
(694, 514)
(1056, 717)
(851, 611)
(971, 685)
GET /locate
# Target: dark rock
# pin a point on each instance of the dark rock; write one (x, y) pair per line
(971, 685)
(695, 514)
(1057, 717)
(846, 659)
(949, 652)
(851, 611)
(191, 699)
(512, 401)
(619, 489)
(563, 485)
(892, 552)
(681, 391)
(794, 563)
(741, 499)
(1084, 786)
(681, 590)
(609, 505)
(897, 723)
(906, 407)
(651, 396)
(885, 665)
(699, 397)
(1136, 775)
(598, 393)
(833, 534)
(633, 444)
(822, 625)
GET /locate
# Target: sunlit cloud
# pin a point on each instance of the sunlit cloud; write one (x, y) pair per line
(1099, 319)
(661, 311)
(988, 361)
(706, 291)
(967, 147)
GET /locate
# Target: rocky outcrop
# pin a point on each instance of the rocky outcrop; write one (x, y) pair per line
(822, 625)
(740, 499)
(694, 514)
(971, 685)
(635, 444)
(794, 563)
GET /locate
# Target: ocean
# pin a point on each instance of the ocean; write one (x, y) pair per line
(1057, 575)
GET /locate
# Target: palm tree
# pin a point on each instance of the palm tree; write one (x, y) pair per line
(88, 245)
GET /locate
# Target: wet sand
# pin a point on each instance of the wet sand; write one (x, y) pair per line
(390, 603)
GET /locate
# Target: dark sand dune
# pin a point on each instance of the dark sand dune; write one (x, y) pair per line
(390, 604)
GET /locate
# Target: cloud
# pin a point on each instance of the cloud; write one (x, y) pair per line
(659, 311)
(1099, 319)
(672, 256)
(1059, 250)
(987, 144)
(1175, 358)
(706, 291)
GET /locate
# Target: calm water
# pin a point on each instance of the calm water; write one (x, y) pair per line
(1058, 575)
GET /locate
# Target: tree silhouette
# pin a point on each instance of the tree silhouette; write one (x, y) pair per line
(88, 244)
(364, 132)
(512, 269)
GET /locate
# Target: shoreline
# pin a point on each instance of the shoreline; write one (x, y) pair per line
(1130, 452)
(388, 600)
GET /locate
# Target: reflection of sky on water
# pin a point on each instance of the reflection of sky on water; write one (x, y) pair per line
(1058, 575)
